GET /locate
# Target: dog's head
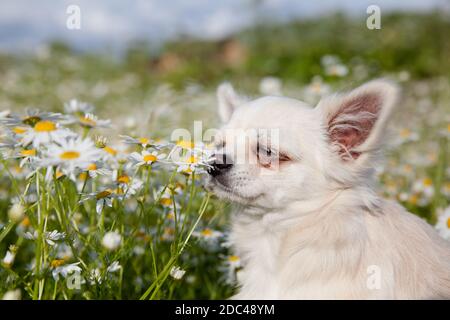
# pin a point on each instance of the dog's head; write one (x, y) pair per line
(275, 150)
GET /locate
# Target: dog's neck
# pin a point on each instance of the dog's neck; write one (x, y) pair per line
(293, 213)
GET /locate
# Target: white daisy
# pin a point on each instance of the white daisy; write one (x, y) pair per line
(45, 132)
(103, 198)
(70, 155)
(443, 223)
(90, 120)
(208, 234)
(145, 158)
(142, 141)
(31, 118)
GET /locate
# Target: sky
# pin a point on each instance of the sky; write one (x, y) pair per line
(26, 25)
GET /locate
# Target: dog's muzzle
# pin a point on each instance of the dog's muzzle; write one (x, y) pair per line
(219, 165)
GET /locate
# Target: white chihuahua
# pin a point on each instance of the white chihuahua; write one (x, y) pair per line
(309, 224)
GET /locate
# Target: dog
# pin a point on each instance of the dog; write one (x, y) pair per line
(308, 223)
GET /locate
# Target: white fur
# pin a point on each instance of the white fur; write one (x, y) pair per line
(313, 228)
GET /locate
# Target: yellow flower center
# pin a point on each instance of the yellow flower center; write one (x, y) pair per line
(59, 174)
(19, 130)
(45, 126)
(192, 159)
(57, 263)
(405, 133)
(143, 140)
(171, 216)
(165, 201)
(233, 258)
(448, 127)
(83, 176)
(123, 179)
(413, 199)
(28, 153)
(150, 158)
(110, 150)
(103, 194)
(119, 190)
(185, 144)
(69, 155)
(448, 223)
(206, 233)
(92, 167)
(25, 222)
(427, 182)
(86, 121)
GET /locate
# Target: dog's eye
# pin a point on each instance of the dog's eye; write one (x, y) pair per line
(265, 155)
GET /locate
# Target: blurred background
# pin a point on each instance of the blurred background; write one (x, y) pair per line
(126, 48)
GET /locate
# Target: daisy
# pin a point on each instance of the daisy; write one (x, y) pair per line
(71, 155)
(90, 120)
(75, 106)
(231, 267)
(424, 186)
(142, 141)
(190, 164)
(44, 132)
(31, 118)
(126, 185)
(103, 198)
(185, 144)
(165, 197)
(405, 135)
(145, 158)
(96, 168)
(443, 224)
(27, 156)
(208, 234)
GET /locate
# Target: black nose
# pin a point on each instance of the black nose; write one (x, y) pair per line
(221, 164)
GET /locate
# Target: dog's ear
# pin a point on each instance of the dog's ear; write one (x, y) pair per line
(228, 101)
(356, 121)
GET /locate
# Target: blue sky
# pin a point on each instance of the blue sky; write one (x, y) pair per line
(24, 25)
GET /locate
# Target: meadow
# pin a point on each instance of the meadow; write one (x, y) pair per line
(98, 202)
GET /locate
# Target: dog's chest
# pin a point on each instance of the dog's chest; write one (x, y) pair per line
(259, 250)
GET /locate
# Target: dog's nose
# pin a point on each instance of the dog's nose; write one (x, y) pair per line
(221, 164)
